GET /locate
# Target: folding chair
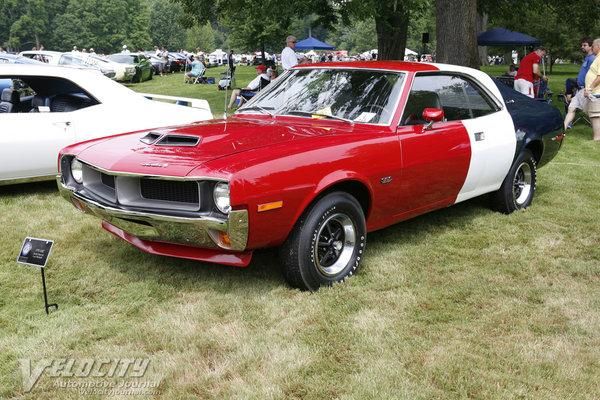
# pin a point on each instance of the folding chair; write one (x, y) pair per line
(200, 77)
(579, 114)
(543, 92)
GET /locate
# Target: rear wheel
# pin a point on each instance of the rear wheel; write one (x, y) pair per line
(326, 244)
(516, 192)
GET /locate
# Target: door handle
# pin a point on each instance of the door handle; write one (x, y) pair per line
(63, 124)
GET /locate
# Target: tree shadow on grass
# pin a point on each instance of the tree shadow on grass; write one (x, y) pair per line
(32, 188)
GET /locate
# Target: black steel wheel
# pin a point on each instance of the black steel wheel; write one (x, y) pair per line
(327, 243)
(518, 188)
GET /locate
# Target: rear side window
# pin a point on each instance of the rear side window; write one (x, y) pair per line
(456, 95)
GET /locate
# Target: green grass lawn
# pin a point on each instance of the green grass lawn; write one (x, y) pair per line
(460, 303)
(173, 85)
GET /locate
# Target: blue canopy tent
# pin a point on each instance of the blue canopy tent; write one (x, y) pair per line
(312, 44)
(504, 37)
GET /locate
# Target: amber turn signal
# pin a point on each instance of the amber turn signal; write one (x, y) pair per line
(270, 206)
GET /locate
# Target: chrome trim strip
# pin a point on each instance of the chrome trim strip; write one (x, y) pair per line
(192, 231)
(151, 176)
(27, 179)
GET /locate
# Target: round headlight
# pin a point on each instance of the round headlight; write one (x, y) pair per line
(77, 170)
(221, 197)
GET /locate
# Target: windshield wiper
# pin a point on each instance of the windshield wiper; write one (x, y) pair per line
(318, 114)
(259, 108)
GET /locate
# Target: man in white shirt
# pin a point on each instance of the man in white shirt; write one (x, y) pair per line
(288, 55)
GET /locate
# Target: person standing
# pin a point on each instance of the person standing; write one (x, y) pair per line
(288, 55)
(125, 50)
(592, 89)
(163, 55)
(529, 68)
(231, 62)
(579, 101)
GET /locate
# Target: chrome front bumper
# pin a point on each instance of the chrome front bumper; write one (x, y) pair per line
(202, 231)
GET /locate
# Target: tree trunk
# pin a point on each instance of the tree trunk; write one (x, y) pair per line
(482, 20)
(456, 32)
(391, 25)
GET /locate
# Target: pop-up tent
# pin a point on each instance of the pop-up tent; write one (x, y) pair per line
(312, 44)
(504, 37)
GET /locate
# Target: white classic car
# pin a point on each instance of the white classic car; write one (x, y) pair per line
(47, 108)
(118, 71)
(72, 60)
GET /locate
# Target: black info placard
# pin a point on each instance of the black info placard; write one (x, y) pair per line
(35, 252)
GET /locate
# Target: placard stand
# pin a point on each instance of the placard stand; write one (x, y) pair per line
(46, 294)
(35, 252)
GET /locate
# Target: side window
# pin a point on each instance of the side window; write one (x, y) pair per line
(453, 94)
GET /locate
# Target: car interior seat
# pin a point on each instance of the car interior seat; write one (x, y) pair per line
(417, 102)
(10, 101)
(39, 101)
(67, 102)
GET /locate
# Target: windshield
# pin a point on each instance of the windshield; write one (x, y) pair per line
(355, 95)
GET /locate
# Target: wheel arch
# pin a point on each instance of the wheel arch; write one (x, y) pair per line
(536, 147)
(351, 185)
(355, 188)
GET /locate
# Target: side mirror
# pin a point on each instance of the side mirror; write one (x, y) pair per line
(432, 115)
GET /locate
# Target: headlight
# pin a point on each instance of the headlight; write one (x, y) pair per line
(221, 197)
(77, 170)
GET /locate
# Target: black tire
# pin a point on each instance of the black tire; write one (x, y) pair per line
(518, 188)
(327, 243)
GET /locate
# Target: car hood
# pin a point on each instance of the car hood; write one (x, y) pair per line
(217, 138)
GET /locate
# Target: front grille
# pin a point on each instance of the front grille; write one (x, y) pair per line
(178, 191)
(107, 180)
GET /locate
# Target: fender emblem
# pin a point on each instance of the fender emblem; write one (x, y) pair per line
(158, 165)
(386, 179)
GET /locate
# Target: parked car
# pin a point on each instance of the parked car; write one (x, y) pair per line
(6, 58)
(123, 71)
(320, 157)
(143, 68)
(49, 107)
(177, 61)
(69, 59)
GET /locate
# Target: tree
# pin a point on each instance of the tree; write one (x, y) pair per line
(253, 25)
(457, 42)
(391, 18)
(104, 25)
(29, 25)
(164, 26)
(201, 36)
(559, 24)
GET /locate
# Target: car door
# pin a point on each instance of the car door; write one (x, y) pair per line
(467, 154)
(29, 143)
(435, 160)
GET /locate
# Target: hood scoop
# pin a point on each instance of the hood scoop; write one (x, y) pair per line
(159, 139)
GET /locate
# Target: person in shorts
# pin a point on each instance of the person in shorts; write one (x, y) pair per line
(579, 100)
(529, 68)
(592, 91)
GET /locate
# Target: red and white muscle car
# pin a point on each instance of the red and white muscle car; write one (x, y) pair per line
(322, 156)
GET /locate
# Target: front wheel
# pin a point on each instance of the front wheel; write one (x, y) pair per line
(516, 192)
(327, 243)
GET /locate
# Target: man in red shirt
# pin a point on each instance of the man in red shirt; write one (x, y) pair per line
(529, 68)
